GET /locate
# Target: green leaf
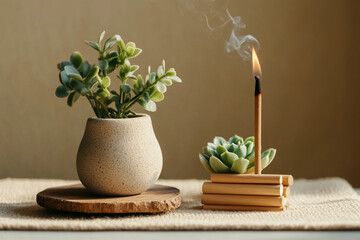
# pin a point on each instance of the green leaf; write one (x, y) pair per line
(91, 83)
(161, 87)
(157, 96)
(228, 158)
(146, 97)
(133, 68)
(168, 82)
(92, 73)
(62, 65)
(129, 51)
(174, 78)
(250, 147)
(106, 82)
(79, 87)
(264, 162)
(135, 52)
(150, 106)
(93, 45)
(64, 79)
(130, 44)
(171, 72)
(111, 42)
(251, 160)
(76, 59)
(126, 88)
(152, 78)
(101, 37)
(103, 64)
(112, 66)
(160, 71)
(250, 139)
(218, 166)
(234, 139)
(240, 166)
(212, 151)
(111, 56)
(220, 149)
(61, 91)
(73, 97)
(232, 147)
(132, 77)
(219, 140)
(84, 68)
(135, 84)
(73, 73)
(271, 152)
(121, 45)
(241, 151)
(205, 163)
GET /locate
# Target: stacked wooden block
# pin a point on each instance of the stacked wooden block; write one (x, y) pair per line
(247, 192)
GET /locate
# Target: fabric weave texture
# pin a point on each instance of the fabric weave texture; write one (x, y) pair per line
(321, 204)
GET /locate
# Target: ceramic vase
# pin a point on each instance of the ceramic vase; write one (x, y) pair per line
(119, 156)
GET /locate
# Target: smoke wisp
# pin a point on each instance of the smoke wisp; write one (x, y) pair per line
(221, 23)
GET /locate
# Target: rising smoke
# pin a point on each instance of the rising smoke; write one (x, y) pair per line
(220, 22)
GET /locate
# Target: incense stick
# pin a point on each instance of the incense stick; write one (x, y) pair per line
(257, 125)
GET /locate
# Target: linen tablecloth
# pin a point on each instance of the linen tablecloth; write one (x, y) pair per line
(321, 204)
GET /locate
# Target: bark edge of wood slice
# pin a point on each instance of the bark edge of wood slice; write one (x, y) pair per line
(75, 198)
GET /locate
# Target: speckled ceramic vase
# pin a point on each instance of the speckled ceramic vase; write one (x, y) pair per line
(119, 156)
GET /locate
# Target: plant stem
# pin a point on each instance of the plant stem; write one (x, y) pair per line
(93, 107)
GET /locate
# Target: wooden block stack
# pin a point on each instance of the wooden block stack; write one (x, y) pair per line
(246, 192)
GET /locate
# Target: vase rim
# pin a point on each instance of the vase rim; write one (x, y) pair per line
(138, 116)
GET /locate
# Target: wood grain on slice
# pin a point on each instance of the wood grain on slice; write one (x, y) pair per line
(75, 198)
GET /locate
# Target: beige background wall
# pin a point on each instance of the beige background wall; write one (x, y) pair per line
(310, 60)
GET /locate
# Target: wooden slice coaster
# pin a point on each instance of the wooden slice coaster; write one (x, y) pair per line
(75, 198)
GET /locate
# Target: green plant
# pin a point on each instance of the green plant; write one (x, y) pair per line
(235, 155)
(79, 78)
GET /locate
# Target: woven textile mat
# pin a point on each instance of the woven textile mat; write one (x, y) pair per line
(322, 204)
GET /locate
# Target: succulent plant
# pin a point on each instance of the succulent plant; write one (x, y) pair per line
(80, 78)
(233, 156)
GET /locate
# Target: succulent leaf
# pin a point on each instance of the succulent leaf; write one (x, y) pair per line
(250, 148)
(205, 162)
(228, 158)
(64, 79)
(218, 166)
(232, 147)
(250, 139)
(72, 72)
(241, 151)
(240, 165)
(76, 59)
(61, 92)
(73, 97)
(220, 149)
(219, 140)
